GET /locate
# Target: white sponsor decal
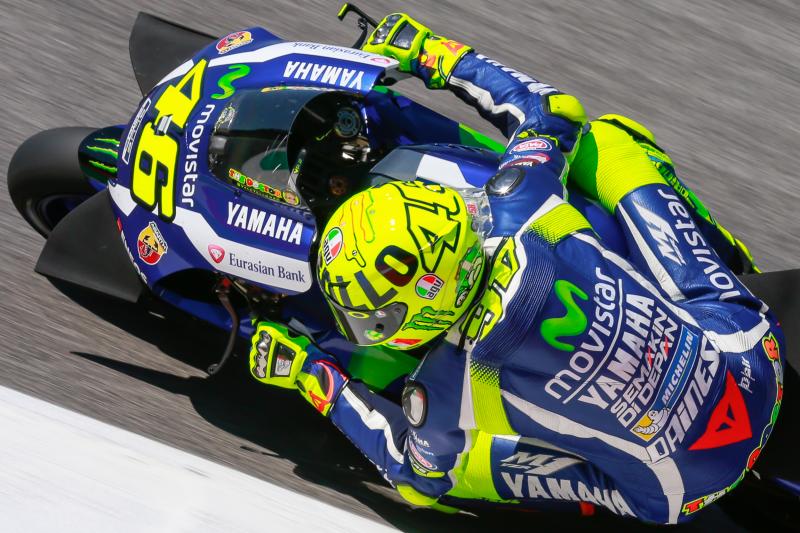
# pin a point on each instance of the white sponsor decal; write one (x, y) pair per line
(540, 464)
(548, 488)
(419, 440)
(348, 78)
(746, 376)
(133, 131)
(718, 276)
(662, 232)
(273, 51)
(193, 137)
(340, 52)
(621, 363)
(257, 221)
(243, 261)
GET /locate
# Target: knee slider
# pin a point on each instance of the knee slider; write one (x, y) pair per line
(630, 125)
(415, 497)
(567, 106)
(610, 164)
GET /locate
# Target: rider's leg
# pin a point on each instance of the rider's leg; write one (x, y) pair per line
(615, 142)
(670, 247)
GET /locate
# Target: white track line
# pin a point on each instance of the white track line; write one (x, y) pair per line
(63, 471)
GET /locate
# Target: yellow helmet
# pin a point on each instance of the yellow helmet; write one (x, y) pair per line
(400, 263)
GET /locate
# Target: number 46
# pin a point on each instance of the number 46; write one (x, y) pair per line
(153, 180)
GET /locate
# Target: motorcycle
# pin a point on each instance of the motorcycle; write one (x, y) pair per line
(212, 197)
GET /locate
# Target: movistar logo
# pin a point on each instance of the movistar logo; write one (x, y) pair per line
(226, 82)
(572, 323)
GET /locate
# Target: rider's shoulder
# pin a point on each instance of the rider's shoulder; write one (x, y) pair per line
(519, 268)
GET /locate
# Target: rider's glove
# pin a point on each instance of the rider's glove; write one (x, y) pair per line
(281, 359)
(418, 50)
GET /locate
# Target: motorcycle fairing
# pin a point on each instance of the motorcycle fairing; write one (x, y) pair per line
(304, 64)
(220, 240)
(84, 249)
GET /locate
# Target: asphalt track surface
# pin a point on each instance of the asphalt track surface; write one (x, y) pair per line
(716, 81)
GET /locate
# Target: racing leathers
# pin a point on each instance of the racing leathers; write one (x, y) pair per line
(644, 384)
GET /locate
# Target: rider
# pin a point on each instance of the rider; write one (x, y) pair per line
(559, 373)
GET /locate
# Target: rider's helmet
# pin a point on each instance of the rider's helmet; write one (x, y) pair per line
(400, 263)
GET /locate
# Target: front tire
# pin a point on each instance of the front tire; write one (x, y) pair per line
(45, 180)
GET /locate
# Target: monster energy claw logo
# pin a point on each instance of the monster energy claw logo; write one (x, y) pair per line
(572, 323)
(428, 320)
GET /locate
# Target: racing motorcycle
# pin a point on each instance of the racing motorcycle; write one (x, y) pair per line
(213, 196)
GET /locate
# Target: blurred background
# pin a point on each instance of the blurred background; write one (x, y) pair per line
(716, 81)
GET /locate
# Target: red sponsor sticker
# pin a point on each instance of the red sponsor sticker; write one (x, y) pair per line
(533, 144)
(453, 46)
(403, 343)
(418, 456)
(380, 60)
(216, 252)
(233, 41)
(319, 403)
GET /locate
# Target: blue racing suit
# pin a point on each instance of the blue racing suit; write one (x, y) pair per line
(645, 385)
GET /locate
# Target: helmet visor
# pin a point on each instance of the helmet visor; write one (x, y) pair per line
(366, 327)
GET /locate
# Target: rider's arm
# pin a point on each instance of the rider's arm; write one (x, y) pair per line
(415, 446)
(386, 433)
(520, 106)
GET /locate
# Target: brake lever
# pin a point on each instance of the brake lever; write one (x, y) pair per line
(364, 21)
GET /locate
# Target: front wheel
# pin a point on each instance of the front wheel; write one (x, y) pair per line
(45, 180)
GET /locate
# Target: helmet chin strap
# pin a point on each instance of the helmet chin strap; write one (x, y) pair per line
(480, 209)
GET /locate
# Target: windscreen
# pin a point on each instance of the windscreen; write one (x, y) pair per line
(249, 144)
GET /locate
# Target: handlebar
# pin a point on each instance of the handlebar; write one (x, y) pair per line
(364, 21)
